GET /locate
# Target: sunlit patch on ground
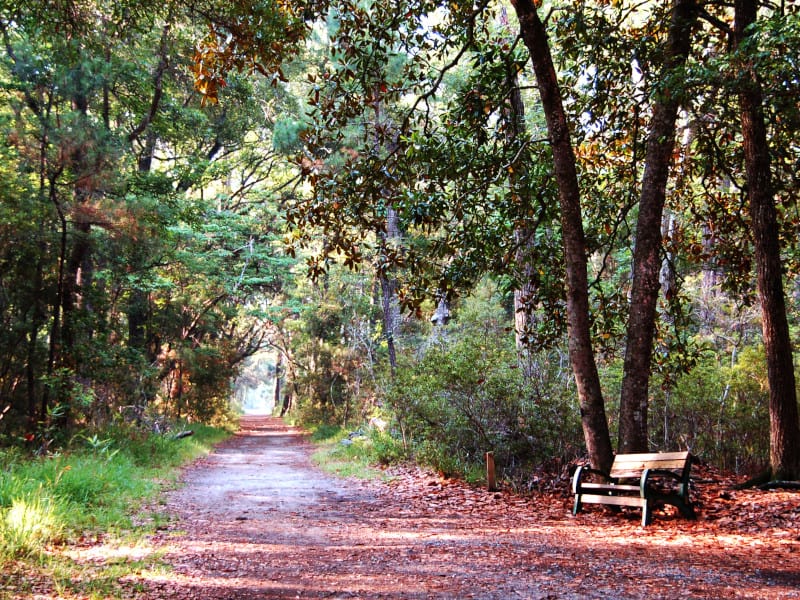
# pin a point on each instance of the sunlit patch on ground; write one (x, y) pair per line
(109, 552)
(260, 522)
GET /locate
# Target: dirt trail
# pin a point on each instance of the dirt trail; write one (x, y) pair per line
(257, 520)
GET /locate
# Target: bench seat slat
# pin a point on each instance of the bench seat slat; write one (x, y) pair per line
(611, 487)
(639, 467)
(615, 500)
(653, 456)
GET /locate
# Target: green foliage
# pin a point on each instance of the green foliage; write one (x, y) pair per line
(286, 135)
(336, 334)
(27, 526)
(131, 277)
(719, 412)
(471, 394)
(387, 449)
(355, 454)
(169, 212)
(321, 432)
(96, 485)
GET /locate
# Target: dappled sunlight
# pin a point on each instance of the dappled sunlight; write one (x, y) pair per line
(374, 553)
(108, 552)
(281, 529)
(376, 557)
(28, 525)
(290, 585)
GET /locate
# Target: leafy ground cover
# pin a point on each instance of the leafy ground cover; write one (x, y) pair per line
(258, 520)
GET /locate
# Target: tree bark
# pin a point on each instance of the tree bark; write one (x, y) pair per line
(276, 397)
(523, 234)
(391, 234)
(391, 309)
(593, 416)
(784, 424)
(633, 432)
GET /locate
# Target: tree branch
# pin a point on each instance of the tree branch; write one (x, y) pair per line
(158, 86)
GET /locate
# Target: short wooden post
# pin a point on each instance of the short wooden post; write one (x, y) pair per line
(491, 483)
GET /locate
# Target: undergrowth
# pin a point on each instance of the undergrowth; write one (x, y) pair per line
(354, 453)
(97, 488)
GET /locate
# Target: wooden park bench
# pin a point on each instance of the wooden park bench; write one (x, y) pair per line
(642, 480)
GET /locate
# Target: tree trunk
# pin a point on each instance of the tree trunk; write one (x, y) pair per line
(593, 416)
(33, 364)
(138, 305)
(784, 424)
(77, 279)
(276, 396)
(633, 435)
(523, 234)
(389, 303)
(439, 320)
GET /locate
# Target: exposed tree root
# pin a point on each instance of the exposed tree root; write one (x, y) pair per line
(757, 481)
(784, 485)
(763, 481)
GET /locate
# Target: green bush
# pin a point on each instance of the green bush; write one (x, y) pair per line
(471, 396)
(325, 431)
(718, 412)
(28, 525)
(387, 448)
(352, 454)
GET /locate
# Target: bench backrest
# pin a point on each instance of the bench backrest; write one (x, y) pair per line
(632, 465)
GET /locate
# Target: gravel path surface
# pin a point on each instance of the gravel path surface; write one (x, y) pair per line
(256, 520)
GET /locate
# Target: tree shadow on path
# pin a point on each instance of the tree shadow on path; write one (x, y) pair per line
(257, 520)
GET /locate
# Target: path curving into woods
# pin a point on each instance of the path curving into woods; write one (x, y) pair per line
(257, 520)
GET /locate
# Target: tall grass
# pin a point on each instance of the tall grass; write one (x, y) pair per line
(95, 485)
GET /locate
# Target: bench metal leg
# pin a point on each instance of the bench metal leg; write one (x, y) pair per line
(687, 510)
(647, 514)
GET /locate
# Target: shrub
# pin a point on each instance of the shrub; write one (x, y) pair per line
(469, 397)
(28, 525)
(718, 412)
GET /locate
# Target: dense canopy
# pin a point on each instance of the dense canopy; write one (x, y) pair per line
(538, 228)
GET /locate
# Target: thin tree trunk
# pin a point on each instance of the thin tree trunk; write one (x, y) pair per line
(523, 234)
(784, 424)
(593, 416)
(53, 352)
(389, 302)
(33, 366)
(391, 311)
(276, 397)
(633, 432)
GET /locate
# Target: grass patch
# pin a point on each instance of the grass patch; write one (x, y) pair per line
(354, 455)
(97, 489)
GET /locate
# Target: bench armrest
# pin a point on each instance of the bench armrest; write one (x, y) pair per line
(581, 473)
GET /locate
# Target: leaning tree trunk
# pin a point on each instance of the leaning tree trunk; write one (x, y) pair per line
(593, 415)
(633, 408)
(784, 424)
